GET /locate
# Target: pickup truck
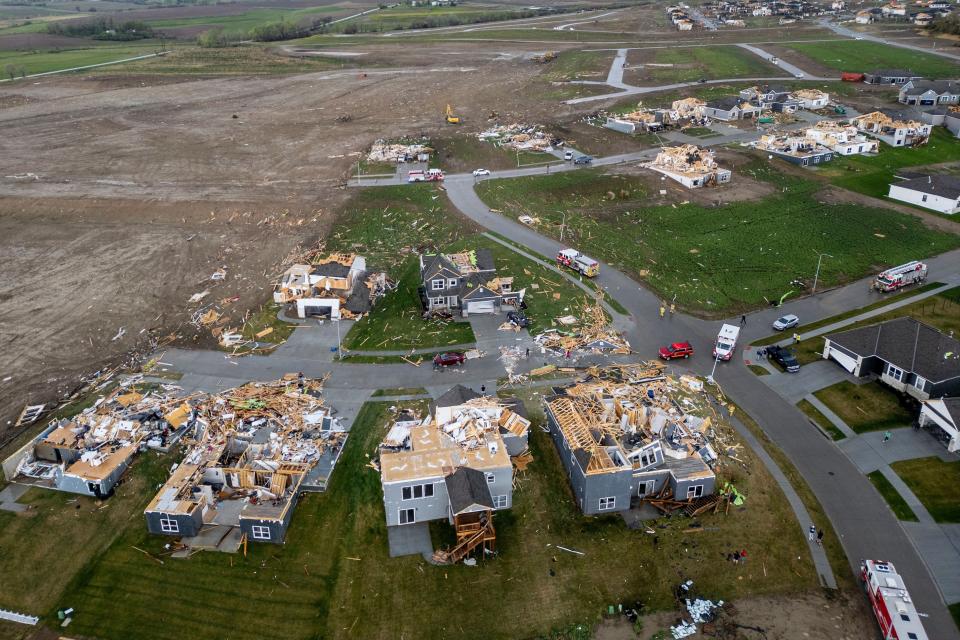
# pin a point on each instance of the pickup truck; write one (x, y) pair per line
(783, 357)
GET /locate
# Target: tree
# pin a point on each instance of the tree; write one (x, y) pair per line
(11, 71)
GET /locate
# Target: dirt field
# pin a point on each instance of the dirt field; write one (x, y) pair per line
(796, 618)
(119, 197)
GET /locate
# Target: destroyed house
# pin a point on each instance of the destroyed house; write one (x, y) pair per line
(336, 286)
(845, 140)
(466, 282)
(622, 441)
(903, 353)
(257, 447)
(893, 129)
(89, 452)
(799, 150)
(454, 462)
(689, 165)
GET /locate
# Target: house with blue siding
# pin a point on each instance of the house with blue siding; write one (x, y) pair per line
(621, 442)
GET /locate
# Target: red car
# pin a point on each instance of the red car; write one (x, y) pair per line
(449, 359)
(676, 350)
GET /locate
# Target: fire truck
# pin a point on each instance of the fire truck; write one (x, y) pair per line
(578, 262)
(898, 277)
(892, 605)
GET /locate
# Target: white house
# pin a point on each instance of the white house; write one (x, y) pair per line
(844, 140)
(937, 192)
(942, 416)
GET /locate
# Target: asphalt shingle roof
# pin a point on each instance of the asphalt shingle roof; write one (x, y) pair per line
(944, 186)
(908, 344)
(456, 395)
(467, 489)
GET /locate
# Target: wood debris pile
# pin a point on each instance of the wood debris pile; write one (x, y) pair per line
(594, 335)
(521, 137)
(382, 151)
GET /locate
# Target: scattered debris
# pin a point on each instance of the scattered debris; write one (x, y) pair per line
(520, 137)
(689, 165)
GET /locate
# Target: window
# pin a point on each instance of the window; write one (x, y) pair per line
(407, 516)
(437, 284)
(905, 617)
(920, 383)
(260, 532)
(695, 491)
(500, 502)
(438, 301)
(911, 635)
(416, 491)
(895, 373)
(169, 525)
(606, 504)
(452, 301)
(491, 478)
(452, 282)
(924, 198)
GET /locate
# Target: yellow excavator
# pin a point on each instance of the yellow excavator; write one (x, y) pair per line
(451, 117)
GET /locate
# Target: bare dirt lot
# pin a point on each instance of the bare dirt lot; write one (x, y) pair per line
(119, 197)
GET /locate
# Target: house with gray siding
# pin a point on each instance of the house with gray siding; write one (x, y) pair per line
(621, 442)
(465, 282)
(903, 353)
(453, 462)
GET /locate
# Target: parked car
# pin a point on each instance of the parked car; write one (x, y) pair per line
(583, 160)
(481, 172)
(702, 81)
(676, 350)
(798, 75)
(449, 359)
(788, 321)
(519, 319)
(568, 155)
(784, 357)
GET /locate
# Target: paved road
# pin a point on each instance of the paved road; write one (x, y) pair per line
(862, 519)
(850, 33)
(793, 70)
(570, 25)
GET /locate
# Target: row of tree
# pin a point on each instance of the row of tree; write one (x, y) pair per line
(949, 23)
(104, 28)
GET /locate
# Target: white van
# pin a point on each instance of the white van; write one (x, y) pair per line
(726, 342)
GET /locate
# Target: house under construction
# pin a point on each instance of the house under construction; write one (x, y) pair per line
(843, 139)
(336, 286)
(255, 448)
(689, 165)
(454, 465)
(631, 433)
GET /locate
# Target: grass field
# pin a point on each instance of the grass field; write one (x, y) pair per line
(863, 56)
(243, 59)
(708, 62)
(399, 391)
(578, 65)
(872, 175)
(941, 311)
(242, 23)
(866, 407)
(896, 502)
(821, 420)
(44, 61)
(936, 483)
(717, 260)
(333, 579)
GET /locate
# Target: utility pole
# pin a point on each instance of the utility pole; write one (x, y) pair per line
(816, 277)
(716, 359)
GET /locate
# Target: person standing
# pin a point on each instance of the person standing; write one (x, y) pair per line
(663, 310)
(483, 389)
(812, 533)
(743, 320)
(820, 537)
(886, 437)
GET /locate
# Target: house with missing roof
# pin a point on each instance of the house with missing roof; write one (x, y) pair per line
(941, 416)
(336, 286)
(903, 353)
(936, 192)
(621, 442)
(893, 127)
(453, 465)
(465, 282)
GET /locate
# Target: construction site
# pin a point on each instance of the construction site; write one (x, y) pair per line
(689, 165)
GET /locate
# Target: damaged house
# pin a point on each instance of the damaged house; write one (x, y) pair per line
(89, 452)
(465, 282)
(337, 286)
(257, 447)
(844, 140)
(893, 131)
(771, 97)
(796, 149)
(689, 165)
(629, 433)
(454, 465)
(731, 108)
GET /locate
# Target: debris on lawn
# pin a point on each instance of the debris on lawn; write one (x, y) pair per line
(689, 165)
(382, 151)
(529, 220)
(255, 448)
(595, 335)
(521, 137)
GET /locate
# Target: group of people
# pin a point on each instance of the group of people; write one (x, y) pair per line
(815, 534)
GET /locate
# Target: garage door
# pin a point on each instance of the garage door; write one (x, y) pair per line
(480, 306)
(845, 361)
(316, 311)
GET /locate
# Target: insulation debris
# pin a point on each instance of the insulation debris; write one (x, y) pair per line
(337, 285)
(382, 151)
(689, 165)
(521, 137)
(594, 335)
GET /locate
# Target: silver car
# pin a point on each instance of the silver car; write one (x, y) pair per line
(788, 321)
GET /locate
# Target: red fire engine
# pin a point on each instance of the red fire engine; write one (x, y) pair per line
(892, 605)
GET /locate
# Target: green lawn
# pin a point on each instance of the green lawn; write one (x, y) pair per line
(333, 579)
(886, 300)
(758, 370)
(936, 483)
(941, 311)
(872, 175)
(708, 62)
(244, 59)
(864, 56)
(821, 420)
(896, 502)
(244, 22)
(718, 261)
(578, 65)
(399, 391)
(866, 407)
